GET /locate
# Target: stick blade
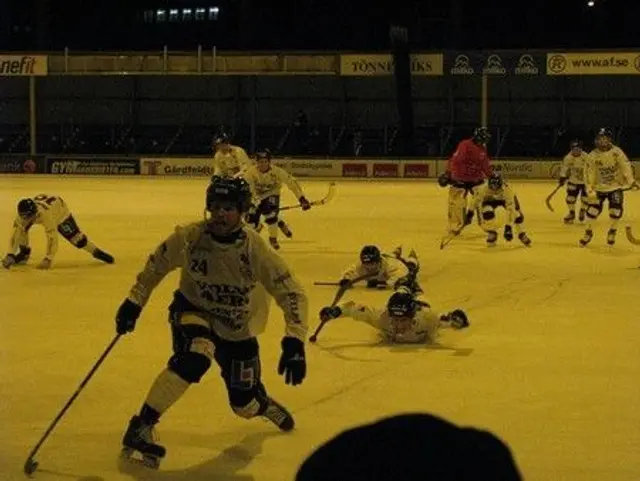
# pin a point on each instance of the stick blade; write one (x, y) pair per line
(630, 237)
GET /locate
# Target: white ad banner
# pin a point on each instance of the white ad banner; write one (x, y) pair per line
(180, 167)
(23, 65)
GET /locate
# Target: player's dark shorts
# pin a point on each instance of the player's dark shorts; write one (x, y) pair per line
(574, 190)
(269, 205)
(616, 202)
(494, 204)
(68, 228)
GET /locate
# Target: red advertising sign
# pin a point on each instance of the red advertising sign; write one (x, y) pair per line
(354, 170)
(385, 170)
(416, 170)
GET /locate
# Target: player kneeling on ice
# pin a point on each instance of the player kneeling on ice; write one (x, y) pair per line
(406, 319)
(266, 182)
(572, 173)
(497, 193)
(52, 212)
(380, 270)
(227, 269)
(607, 173)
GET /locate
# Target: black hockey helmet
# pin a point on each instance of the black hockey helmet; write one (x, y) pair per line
(27, 208)
(369, 254)
(576, 143)
(402, 304)
(495, 181)
(481, 135)
(235, 190)
(263, 154)
(221, 138)
(604, 132)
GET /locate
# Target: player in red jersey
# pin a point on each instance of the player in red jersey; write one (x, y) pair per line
(468, 168)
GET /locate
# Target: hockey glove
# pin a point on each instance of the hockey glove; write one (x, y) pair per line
(444, 179)
(330, 312)
(508, 233)
(44, 264)
(8, 261)
(562, 180)
(127, 316)
(304, 203)
(344, 282)
(292, 363)
(458, 319)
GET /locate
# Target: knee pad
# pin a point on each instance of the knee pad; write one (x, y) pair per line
(519, 218)
(249, 409)
(82, 242)
(615, 212)
(488, 214)
(190, 366)
(571, 199)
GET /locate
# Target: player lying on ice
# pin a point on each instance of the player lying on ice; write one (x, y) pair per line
(405, 319)
(380, 270)
(497, 193)
(53, 214)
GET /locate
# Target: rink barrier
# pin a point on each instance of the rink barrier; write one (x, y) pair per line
(21, 164)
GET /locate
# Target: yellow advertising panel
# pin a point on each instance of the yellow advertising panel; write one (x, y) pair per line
(382, 64)
(593, 63)
(23, 65)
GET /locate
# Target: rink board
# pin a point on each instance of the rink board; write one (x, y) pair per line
(550, 362)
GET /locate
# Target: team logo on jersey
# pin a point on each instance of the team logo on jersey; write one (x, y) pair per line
(494, 65)
(526, 65)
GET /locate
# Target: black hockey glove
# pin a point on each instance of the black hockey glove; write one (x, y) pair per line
(292, 365)
(562, 180)
(508, 233)
(127, 316)
(344, 282)
(458, 319)
(306, 205)
(330, 312)
(444, 179)
(376, 284)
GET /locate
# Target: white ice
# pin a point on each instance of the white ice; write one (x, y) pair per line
(550, 362)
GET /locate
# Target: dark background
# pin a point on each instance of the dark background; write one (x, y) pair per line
(319, 24)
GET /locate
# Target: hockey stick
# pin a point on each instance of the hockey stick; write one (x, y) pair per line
(444, 242)
(330, 195)
(341, 292)
(630, 237)
(31, 464)
(547, 201)
(320, 283)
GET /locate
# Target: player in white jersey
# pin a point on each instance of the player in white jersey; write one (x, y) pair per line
(384, 270)
(572, 173)
(266, 183)
(229, 160)
(405, 319)
(607, 173)
(497, 193)
(227, 274)
(52, 213)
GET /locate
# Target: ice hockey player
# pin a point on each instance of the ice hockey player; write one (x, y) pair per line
(497, 193)
(266, 182)
(607, 173)
(384, 270)
(406, 319)
(227, 269)
(229, 160)
(572, 173)
(53, 214)
(468, 167)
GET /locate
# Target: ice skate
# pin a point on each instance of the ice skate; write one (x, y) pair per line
(278, 415)
(582, 214)
(492, 237)
(103, 256)
(570, 217)
(588, 235)
(611, 236)
(524, 239)
(139, 439)
(274, 242)
(284, 228)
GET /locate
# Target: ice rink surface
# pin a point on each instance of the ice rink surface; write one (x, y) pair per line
(550, 362)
